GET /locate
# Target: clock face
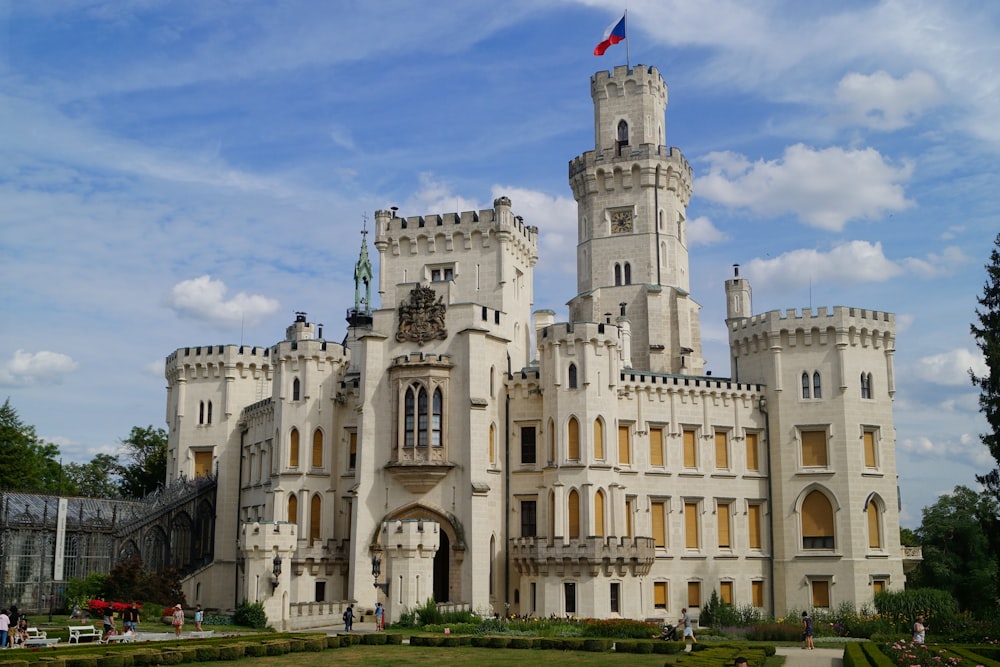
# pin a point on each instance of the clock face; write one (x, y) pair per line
(621, 222)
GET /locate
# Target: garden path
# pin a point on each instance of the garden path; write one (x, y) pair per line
(819, 657)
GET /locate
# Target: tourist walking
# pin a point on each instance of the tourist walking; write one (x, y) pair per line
(178, 619)
(349, 618)
(199, 616)
(807, 631)
(685, 622)
(379, 611)
(130, 619)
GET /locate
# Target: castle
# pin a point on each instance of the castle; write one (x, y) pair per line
(459, 447)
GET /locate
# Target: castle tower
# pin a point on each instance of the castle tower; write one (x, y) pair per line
(632, 195)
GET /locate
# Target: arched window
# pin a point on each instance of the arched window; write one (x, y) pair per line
(817, 388)
(628, 273)
(293, 509)
(436, 419)
(622, 136)
(296, 389)
(805, 384)
(599, 513)
(421, 417)
(572, 376)
(552, 442)
(201, 412)
(315, 517)
(317, 457)
(573, 439)
(493, 434)
(817, 522)
(293, 448)
(874, 526)
(866, 385)
(599, 439)
(552, 514)
(409, 423)
(493, 372)
(618, 274)
(573, 513)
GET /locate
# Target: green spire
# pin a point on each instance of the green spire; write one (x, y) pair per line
(363, 275)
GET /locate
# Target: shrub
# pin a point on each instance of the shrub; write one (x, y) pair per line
(901, 607)
(82, 661)
(254, 650)
(596, 645)
(619, 629)
(520, 642)
(394, 639)
(233, 652)
(206, 653)
(251, 615)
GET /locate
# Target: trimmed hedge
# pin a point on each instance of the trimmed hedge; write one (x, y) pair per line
(111, 661)
(875, 656)
(971, 653)
(82, 661)
(236, 651)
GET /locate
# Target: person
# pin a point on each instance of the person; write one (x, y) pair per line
(685, 622)
(22, 630)
(109, 622)
(4, 627)
(349, 618)
(199, 616)
(919, 630)
(669, 633)
(741, 662)
(378, 616)
(130, 619)
(807, 631)
(178, 619)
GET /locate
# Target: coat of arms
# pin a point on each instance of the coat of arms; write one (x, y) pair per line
(422, 317)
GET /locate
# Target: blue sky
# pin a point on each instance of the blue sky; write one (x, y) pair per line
(192, 173)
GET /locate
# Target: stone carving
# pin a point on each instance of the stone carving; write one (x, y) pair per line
(421, 318)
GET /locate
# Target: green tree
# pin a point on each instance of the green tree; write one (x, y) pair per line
(145, 466)
(26, 462)
(96, 479)
(956, 551)
(987, 335)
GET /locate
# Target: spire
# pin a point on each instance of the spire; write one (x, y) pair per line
(361, 314)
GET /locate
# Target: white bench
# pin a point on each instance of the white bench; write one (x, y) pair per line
(120, 639)
(76, 632)
(38, 637)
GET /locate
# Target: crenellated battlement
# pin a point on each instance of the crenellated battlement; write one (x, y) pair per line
(422, 359)
(565, 332)
(464, 223)
(208, 360)
(774, 323)
(606, 156)
(641, 74)
(328, 350)
(632, 380)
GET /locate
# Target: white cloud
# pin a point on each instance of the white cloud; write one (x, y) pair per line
(701, 231)
(435, 196)
(968, 449)
(848, 263)
(823, 188)
(880, 102)
(937, 264)
(556, 218)
(28, 368)
(205, 299)
(950, 368)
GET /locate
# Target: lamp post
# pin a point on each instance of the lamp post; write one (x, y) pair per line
(275, 570)
(377, 572)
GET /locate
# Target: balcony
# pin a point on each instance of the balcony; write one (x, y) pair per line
(912, 557)
(593, 556)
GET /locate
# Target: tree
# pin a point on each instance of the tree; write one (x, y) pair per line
(146, 462)
(957, 556)
(26, 462)
(96, 479)
(987, 335)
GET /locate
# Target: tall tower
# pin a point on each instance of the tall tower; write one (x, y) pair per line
(632, 194)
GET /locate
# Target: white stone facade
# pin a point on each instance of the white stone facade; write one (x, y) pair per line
(583, 468)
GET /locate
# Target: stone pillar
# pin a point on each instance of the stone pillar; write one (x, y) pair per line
(408, 547)
(260, 542)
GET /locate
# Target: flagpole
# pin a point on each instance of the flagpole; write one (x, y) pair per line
(628, 61)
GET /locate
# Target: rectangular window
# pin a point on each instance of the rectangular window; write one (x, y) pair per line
(569, 590)
(656, 447)
(722, 513)
(694, 593)
(870, 460)
(624, 456)
(658, 510)
(878, 586)
(320, 591)
(690, 450)
(527, 445)
(529, 526)
(753, 521)
(721, 450)
(821, 593)
(691, 537)
(814, 449)
(534, 596)
(352, 455)
(629, 511)
(753, 455)
(757, 593)
(615, 598)
(726, 591)
(660, 594)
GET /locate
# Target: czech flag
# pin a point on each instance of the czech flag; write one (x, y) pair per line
(613, 34)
